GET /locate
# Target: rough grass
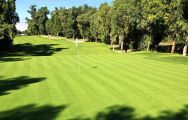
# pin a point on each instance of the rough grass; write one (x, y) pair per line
(41, 80)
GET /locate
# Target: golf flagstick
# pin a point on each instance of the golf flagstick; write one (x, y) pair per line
(78, 54)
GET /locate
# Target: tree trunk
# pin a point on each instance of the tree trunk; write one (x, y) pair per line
(95, 39)
(113, 47)
(121, 38)
(148, 48)
(150, 40)
(173, 46)
(57, 34)
(122, 43)
(185, 50)
(83, 37)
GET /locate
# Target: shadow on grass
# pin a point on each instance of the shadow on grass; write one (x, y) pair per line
(28, 49)
(32, 112)
(171, 59)
(6, 85)
(128, 113)
(12, 59)
(164, 57)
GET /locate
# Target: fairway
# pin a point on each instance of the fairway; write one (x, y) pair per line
(41, 80)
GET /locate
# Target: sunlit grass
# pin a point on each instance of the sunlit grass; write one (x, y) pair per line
(149, 82)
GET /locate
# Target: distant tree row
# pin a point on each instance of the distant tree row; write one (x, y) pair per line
(131, 24)
(37, 23)
(8, 20)
(64, 22)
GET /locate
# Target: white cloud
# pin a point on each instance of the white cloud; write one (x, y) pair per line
(22, 26)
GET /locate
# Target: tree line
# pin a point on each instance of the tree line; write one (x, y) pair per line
(130, 24)
(8, 20)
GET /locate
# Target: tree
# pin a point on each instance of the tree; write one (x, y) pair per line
(75, 12)
(185, 48)
(66, 22)
(119, 20)
(8, 20)
(126, 15)
(113, 39)
(37, 23)
(42, 17)
(177, 25)
(153, 12)
(84, 23)
(83, 20)
(126, 22)
(104, 20)
(33, 28)
(49, 26)
(68, 18)
(55, 22)
(94, 26)
(185, 16)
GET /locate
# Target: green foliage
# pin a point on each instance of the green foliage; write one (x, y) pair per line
(84, 23)
(128, 20)
(32, 23)
(71, 22)
(42, 17)
(49, 25)
(143, 44)
(66, 22)
(177, 25)
(125, 20)
(37, 23)
(94, 26)
(8, 20)
(53, 25)
(153, 21)
(104, 20)
(32, 27)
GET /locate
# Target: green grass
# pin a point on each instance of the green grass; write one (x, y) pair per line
(42, 80)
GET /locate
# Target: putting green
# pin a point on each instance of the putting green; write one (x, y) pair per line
(41, 80)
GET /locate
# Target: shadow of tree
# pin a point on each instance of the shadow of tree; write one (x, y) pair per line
(28, 49)
(170, 59)
(32, 112)
(116, 113)
(7, 85)
(12, 59)
(182, 114)
(128, 113)
(165, 57)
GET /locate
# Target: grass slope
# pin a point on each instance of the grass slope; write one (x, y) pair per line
(41, 80)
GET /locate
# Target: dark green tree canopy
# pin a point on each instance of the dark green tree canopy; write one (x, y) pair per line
(37, 23)
(8, 20)
(134, 24)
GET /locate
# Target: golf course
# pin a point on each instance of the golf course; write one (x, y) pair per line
(46, 79)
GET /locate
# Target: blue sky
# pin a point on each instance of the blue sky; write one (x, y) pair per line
(23, 5)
